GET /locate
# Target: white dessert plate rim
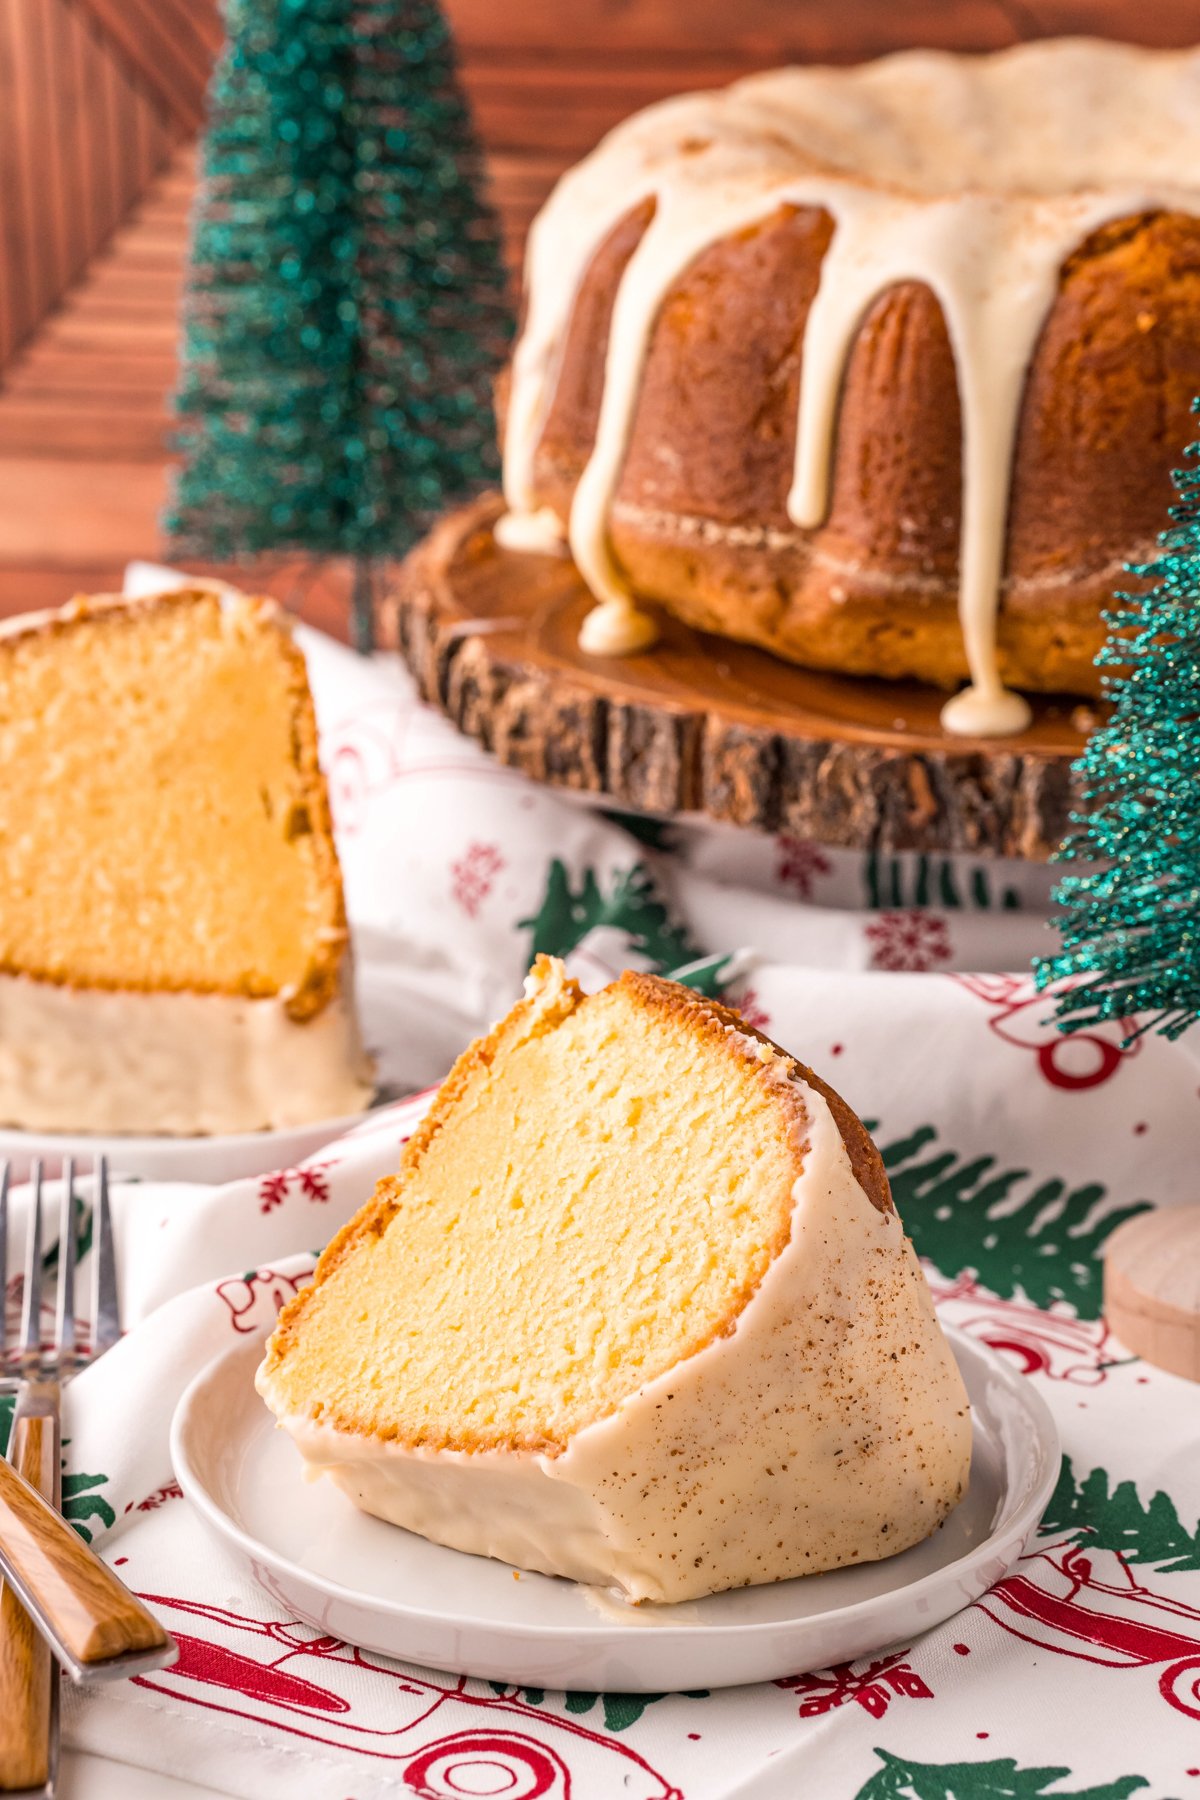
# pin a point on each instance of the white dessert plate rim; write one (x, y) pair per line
(209, 1157)
(98, 1140)
(936, 1595)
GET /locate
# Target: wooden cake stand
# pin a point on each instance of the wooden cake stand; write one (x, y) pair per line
(699, 724)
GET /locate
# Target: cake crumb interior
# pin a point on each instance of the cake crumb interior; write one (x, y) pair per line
(611, 1194)
(159, 785)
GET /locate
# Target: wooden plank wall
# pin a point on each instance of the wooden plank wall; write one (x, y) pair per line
(548, 77)
(95, 94)
(80, 140)
(99, 102)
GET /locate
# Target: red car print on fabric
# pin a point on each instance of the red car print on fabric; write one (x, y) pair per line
(1051, 1342)
(362, 757)
(1087, 1603)
(1022, 1016)
(287, 1677)
(254, 1300)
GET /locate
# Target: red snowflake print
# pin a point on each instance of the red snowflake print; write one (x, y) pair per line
(473, 874)
(912, 941)
(756, 1018)
(152, 1502)
(798, 864)
(310, 1181)
(873, 1688)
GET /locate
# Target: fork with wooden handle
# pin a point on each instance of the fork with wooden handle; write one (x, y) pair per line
(56, 1591)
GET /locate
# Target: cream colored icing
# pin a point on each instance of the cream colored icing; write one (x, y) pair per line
(978, 176)
(617, 628)
(540, 531)
(830, 1426)
(99, 1060)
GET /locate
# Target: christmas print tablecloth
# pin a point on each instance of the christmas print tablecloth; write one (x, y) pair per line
(1012, 1154)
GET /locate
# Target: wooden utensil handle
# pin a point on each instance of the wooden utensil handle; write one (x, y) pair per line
(84, 1603)
(26, 1669)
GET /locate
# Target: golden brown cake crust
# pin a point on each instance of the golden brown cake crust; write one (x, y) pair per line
(865, 1159)
(720, 1024)
(699, 520)
(325, 972)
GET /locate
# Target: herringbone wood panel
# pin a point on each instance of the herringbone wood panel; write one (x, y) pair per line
(99, 101)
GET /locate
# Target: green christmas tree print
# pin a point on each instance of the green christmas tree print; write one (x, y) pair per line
(1118, 1520)
(631, 905)
(903, 1778)
(1018, 1233)
(895, 882)
(656, 834)
(620, 1710)
(80, 1504)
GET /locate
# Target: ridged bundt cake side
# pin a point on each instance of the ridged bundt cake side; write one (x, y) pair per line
(702, 515)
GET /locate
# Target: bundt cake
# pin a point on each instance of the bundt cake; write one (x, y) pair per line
(883, 368)
(637, 1309)
(173, 948)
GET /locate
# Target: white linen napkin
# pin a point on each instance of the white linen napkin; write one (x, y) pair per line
(1012, 1153)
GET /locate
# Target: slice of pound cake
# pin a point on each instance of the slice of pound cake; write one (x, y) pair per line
(637, 1309)
(173, 946)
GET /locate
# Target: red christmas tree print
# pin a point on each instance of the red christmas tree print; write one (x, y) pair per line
(798, 864)
(473, 876)
(873, 1688)
(914, 941)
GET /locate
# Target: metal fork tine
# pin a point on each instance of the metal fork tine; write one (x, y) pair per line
(64, 1323)
(31, 1298)
(106, 1311)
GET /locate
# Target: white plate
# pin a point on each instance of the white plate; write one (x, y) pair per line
(386, 1590)
(206, 1159)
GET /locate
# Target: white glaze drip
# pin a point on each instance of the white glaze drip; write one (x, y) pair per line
(1039, 147)
(617, 628)
(539, 532)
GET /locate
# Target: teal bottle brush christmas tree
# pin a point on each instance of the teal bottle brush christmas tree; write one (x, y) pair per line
(1131, 927)
(347, 303)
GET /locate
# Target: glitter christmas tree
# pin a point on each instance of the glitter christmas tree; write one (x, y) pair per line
(1131, 927)
(347, 305)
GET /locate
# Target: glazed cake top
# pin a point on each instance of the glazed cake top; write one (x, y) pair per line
(978, 176)
(1053, 118)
